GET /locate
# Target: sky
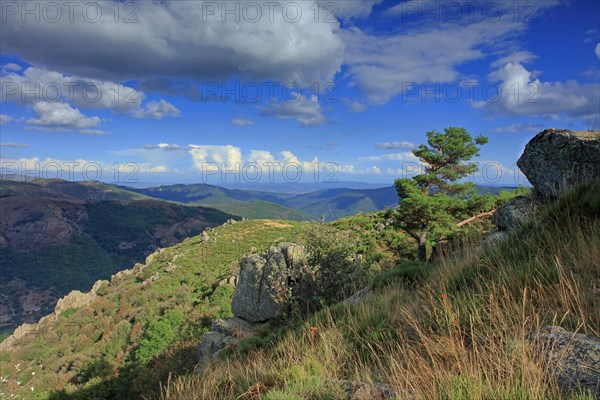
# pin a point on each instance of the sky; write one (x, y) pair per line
(162, 92)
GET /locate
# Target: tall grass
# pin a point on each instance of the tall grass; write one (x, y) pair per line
(460, 334)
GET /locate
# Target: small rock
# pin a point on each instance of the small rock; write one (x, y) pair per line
(359, 296)
(572, 358)
(494, 239)
(515, 213)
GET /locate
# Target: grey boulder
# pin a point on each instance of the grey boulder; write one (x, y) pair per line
(572, 359)
(555, 160)
(255, 298)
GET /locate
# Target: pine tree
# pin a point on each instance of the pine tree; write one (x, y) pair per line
(433, 203)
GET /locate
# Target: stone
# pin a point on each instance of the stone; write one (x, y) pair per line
(75, 299)
(359, 296)
(255, 299)
(494, 239)
(211, 343)
(205, 237)
(225, 332)
(517, 212)
(573, 359)
(555, 160)
(380, 227)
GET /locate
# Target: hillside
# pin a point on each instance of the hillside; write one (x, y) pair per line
(457, 329)
(52, 243)
(107, 346)
(247, 204)
(328, 203)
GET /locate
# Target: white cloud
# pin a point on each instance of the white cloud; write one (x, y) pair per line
(15, 145)
(597, 51)
(385, 66)
(4, 119)
(522, 57)
(406, 157)
(304, 110)
(524, 95)
(226, 157)
(40, 85)
(158, 110)
(94, 132)
(355, 106)
(344, 9)
(395, 145)
(204, 47)
(242, 122)
(518, 128)
(61, 116)
(11, 67)
(78, 169)
(374, 170)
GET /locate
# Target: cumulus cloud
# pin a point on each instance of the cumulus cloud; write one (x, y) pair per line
(304, 110)
(226, 157)
(597, 51)
(355, 106)
(4, 119)
(158, 110)
(37, 85)
(523, 94)
(242, 122)
(61, 116)
(11, 67)
(191, 32)
(41, 85)
(395, 145)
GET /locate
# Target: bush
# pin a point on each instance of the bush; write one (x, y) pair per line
(331, 271)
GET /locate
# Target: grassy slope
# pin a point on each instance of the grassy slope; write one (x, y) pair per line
(101, 349)
(459, 333)
(260, 210)
(248, 204)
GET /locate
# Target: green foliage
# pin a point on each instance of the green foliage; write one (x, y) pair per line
(158, 336)
(67, 313)
(97, 368)
(407, 272)
(432, 203)
(331, 270)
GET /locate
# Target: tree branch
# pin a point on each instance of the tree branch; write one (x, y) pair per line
(474, 218)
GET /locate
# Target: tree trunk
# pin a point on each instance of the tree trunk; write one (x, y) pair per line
(422, 253)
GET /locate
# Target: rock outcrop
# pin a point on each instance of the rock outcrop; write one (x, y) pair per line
(255, 299)
(573, 359)
(516, 212)
(555, 160)
(224, 333)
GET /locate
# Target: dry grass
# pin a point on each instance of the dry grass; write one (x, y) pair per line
(460, 335)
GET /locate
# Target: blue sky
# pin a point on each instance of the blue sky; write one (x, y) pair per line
(168, 92)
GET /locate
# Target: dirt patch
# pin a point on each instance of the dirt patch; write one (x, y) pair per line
(276, 224)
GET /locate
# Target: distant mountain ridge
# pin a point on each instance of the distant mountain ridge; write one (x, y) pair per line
(327, 203)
